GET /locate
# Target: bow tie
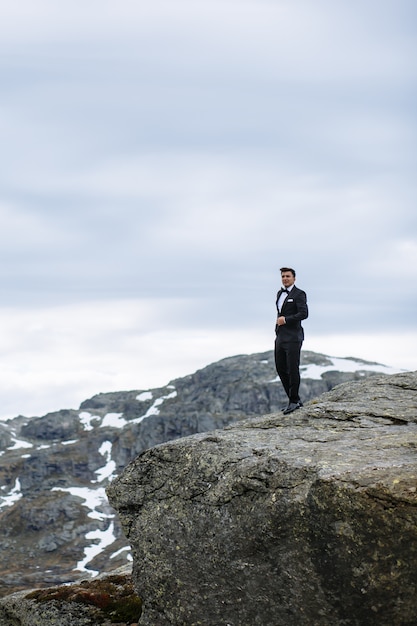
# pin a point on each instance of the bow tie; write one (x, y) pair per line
(285, 291)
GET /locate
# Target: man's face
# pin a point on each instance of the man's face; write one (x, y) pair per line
(287, 279)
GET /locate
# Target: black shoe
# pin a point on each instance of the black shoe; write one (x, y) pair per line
(293, 406)
(284, 408)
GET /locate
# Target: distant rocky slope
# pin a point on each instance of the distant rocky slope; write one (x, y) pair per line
(56, 524)
(304, 520)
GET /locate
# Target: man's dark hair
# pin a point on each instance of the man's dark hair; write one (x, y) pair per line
(287, 269)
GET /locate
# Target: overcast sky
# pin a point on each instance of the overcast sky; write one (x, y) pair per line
(160, 161)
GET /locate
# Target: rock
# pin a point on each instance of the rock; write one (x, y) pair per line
(303, 520)
(64, 424)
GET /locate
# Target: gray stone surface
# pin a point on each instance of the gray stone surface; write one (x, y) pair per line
(304, 520)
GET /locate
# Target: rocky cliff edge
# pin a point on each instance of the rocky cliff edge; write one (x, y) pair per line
(309, 519)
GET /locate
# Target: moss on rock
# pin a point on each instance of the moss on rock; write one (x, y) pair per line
(113, 596)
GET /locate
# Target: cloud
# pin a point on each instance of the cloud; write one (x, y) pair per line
(294, 39)
(162, 160)
(208, 225)
(21, 227)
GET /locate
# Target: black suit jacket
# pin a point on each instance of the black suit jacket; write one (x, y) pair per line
(294, 310)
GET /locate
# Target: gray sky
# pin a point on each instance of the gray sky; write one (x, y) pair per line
(160, 161)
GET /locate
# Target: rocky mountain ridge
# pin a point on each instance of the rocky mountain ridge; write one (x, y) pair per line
(56, 524)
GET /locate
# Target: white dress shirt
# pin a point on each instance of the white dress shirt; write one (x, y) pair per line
(282, 298)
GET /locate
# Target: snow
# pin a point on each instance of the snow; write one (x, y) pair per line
(107, 471)
(18, 443)
(339, 364)
(124, 549)
(153, 409)
(114, 420)
(105, 449)
(13, 496)
(105, 538)
(86, 419)
(93, 499)
(145, 395)
(343, 365)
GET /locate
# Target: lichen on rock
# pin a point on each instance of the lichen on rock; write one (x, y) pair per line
(308, 519)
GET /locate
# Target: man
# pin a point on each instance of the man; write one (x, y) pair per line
(292, 308)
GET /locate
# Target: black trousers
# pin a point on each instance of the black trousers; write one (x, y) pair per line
(287, 362)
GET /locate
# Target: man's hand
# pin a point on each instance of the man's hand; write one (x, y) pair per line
(281, 321)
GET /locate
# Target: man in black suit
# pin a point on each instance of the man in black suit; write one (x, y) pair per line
(292, 308)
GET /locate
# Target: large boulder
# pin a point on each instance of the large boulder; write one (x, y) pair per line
(308, 519)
